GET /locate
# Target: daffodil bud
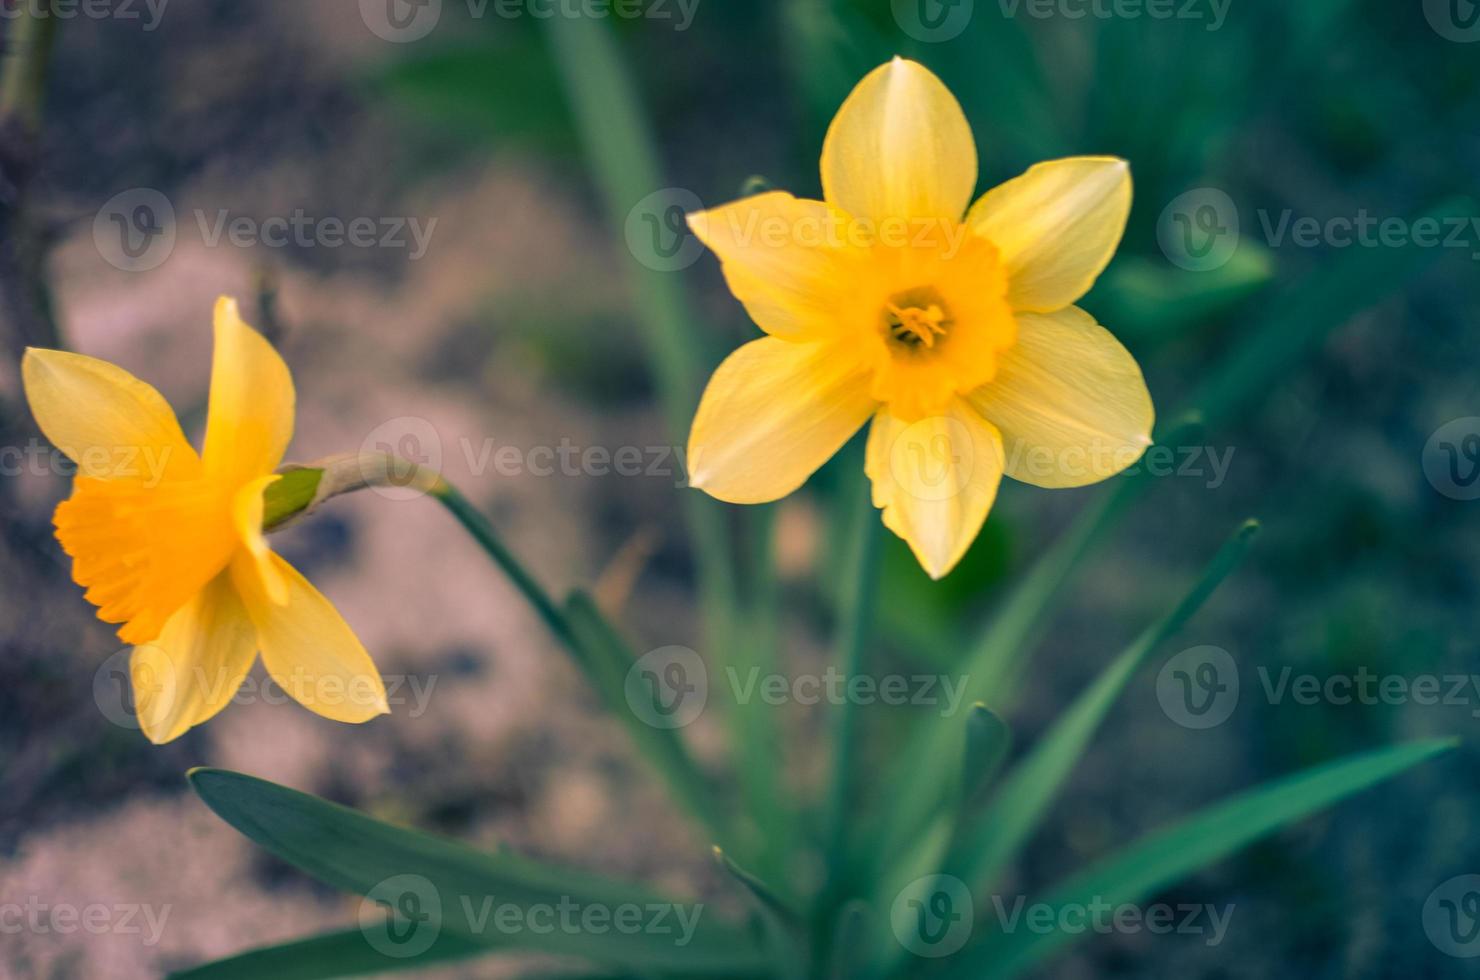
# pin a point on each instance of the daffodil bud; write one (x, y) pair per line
(302, 488)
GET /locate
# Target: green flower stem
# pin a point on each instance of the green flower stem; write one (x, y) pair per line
(855, 609)
(25, 55)
(592, 642)
(619, 147)
(482, 532)
(662, 748)
(23, 69)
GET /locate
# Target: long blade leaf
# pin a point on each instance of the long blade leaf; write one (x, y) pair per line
(992, 839)
(1164, 856)
(462, 891)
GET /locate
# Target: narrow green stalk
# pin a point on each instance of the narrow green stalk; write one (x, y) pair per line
(23, 69)
(755, 731)
(619, 148)
(477, 525)
(25, 55)
(855, 611)
(599, 650)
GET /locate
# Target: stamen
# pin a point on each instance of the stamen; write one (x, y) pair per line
(915, 326)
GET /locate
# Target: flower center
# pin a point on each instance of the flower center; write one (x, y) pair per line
(916, 317)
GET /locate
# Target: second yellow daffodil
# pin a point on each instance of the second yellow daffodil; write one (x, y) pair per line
(169, 543)
(953, 329)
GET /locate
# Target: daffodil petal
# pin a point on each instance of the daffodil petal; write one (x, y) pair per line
(1070, 401)
(246, 514)
(251, 406)
(787, 260)
(108, 422)
(1056, 226)
(143, 551)
(935, 480)
(197, 664)
(773, 412)
(308, 648)
(899, 148)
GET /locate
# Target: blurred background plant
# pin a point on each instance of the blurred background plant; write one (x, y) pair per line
(537, 314)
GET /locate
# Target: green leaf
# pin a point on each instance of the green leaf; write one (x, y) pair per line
(853, 935)
(987, 740)
(781, 925)
(919, 779)
(333, 954)
(1146, 301)
(1164, 856)
(459, 890)
(991, 840)
(501, 92)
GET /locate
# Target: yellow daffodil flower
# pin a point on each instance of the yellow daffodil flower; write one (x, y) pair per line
(169, 543)
(953, 329)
